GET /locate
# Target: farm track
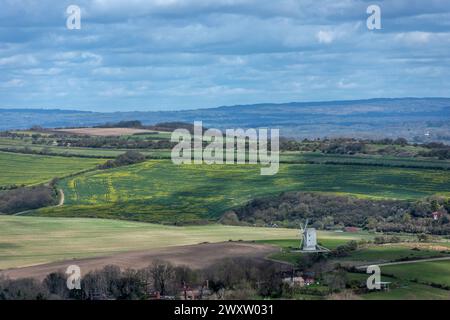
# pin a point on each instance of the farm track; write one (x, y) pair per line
(195, 256)
(61, 199)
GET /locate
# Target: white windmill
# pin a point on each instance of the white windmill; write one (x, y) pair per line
(308, 240)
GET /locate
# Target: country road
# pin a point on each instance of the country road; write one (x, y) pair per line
(404, 262)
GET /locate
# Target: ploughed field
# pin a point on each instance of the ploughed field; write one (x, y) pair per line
(159, 191)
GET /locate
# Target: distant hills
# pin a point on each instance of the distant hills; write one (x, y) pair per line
(417, 119)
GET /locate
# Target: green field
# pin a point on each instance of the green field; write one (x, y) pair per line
(28, 169)
(409, 291)
(327, 239)
(372, 160)
(159, 191)
(412, 281)
(17, 146)
(370, 254)
(437, 272)
(400, 289)
(34, 240)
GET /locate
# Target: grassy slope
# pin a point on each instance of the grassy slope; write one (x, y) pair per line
(326, 238)
(31, 169)
(159, 191)
(34, 240)
(370, 254)
(437, 272)
(409, 291)
(401, 290)
(392, 253)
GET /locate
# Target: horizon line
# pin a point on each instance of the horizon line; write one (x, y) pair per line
(223, 106)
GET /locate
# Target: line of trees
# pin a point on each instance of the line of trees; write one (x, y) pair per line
(351, 146)
(129, 157)
(230, 278)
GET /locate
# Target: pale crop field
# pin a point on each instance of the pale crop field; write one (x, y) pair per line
(26, 241)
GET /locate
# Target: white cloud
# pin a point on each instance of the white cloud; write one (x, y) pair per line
(325, 36)
(12, 83)
(415, 37)
(342, 84)
(232, 61)
(43, 71)
(77, 58)
(18, 60)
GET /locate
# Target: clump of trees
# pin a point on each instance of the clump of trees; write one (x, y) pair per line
(352, 146)
(22, 289)
(327, 211)
(122, 124)
(344, 250)
(437, 150)
(124, 142)
(129, 157)
(27, 198)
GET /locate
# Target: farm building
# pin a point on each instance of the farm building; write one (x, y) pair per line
(295, 281)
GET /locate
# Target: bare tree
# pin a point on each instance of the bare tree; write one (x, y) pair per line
(163, 274)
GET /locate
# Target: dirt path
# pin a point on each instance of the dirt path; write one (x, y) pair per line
(194, 256)
(405, 262)
(61, 199)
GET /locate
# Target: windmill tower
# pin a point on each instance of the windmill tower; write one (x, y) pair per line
(308, 240)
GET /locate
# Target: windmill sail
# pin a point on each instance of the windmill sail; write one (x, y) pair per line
(308, 239)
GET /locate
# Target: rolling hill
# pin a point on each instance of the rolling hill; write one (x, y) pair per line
(417, 119)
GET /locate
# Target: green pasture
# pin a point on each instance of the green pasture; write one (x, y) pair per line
(400, 289)
(16, 168)
(433, 272)
(409, 291)
(387, 253)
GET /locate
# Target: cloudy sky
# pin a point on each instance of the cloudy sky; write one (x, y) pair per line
(182, 54)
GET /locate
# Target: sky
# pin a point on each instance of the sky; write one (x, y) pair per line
(175, 54)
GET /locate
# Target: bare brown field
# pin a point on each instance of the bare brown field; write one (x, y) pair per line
(104, 132)
(195, 256)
